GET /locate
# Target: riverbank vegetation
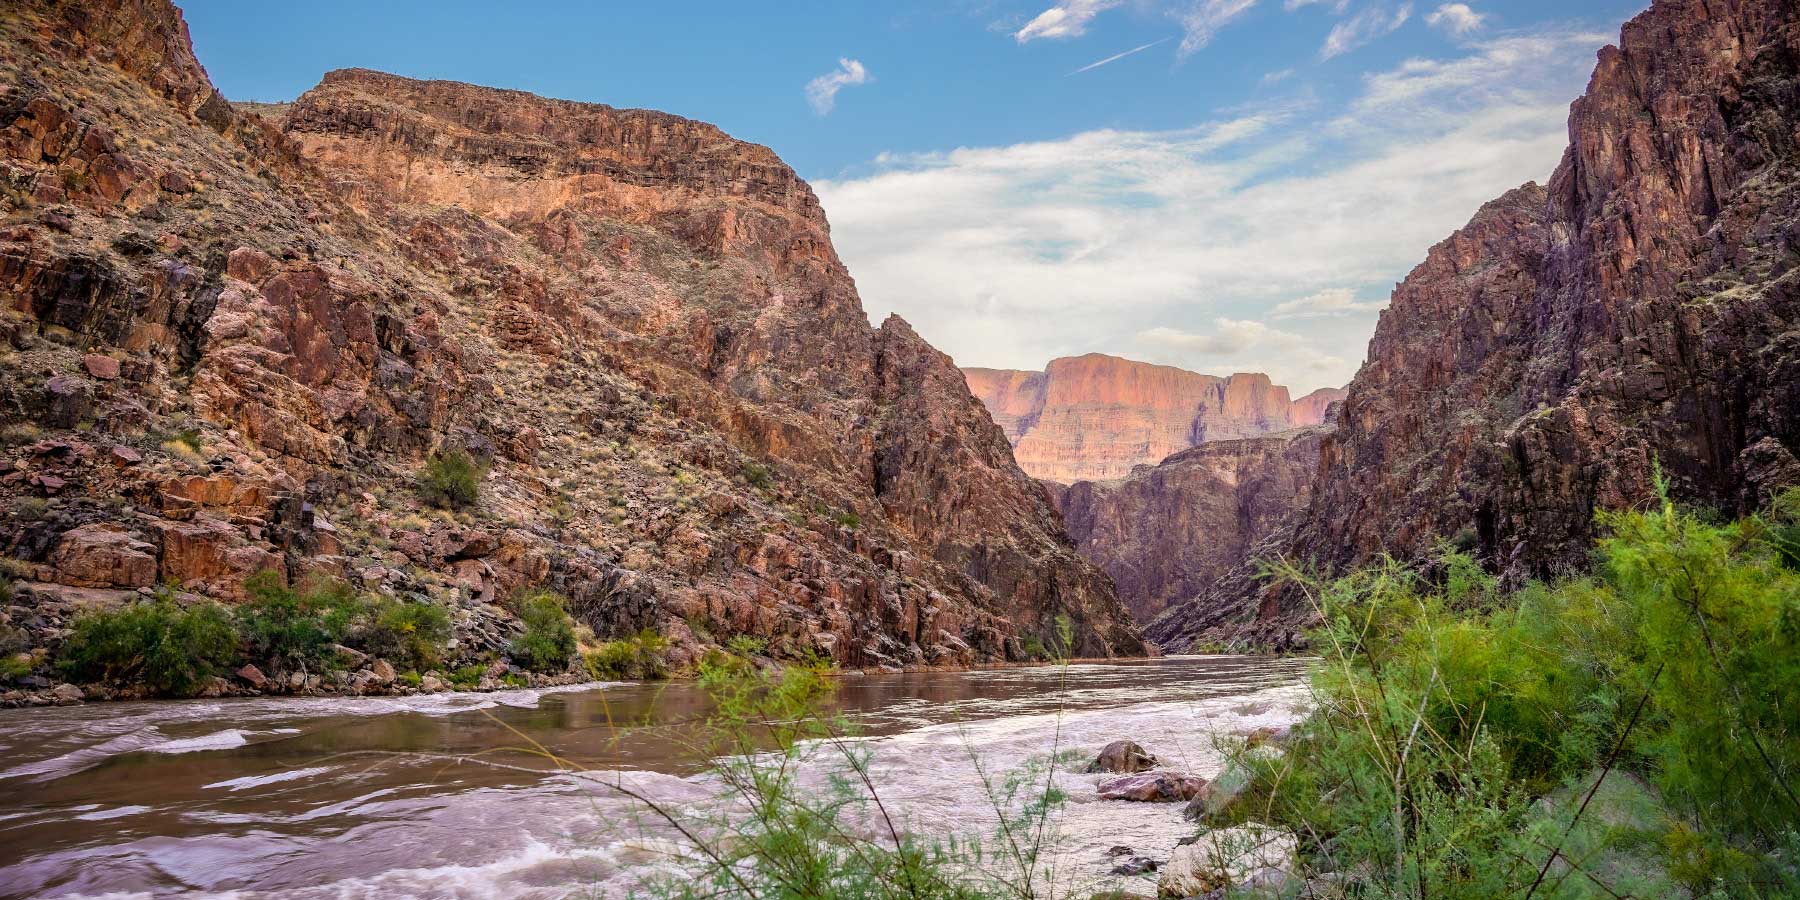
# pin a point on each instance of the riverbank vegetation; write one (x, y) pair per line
(1631, 733)
(802, 816)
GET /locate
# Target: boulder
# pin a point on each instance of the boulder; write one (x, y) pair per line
(212, 552)
(252, 675)
(1122, 757)
(1225, 858)
(1153, 787)
(100, 366)
(383, 672)
(104, 555)
(66, 693)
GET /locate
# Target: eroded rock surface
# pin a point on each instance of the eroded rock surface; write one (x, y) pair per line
(1095, 417)
(1642, 308)
(234, 340)
(1168, 532)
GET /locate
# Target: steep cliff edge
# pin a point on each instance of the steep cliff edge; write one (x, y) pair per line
(230, 343)
(1095, 417)
(1639, 311)
(1168, 532)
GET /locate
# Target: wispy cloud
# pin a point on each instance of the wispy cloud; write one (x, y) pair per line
(1456, 18)
(1337, 6)
(1278, 76)
(1202, 19)
(1162, 245)
(1329, 302)
(822, 91)
(1064, 20)
(1367, 25)
(1118, 56)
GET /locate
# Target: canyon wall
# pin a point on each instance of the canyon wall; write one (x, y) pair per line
(1168, 532)
(231, 342)
(1640, 312)
(1095, 417)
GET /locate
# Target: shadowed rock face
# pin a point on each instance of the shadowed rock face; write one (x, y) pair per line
(236, 339)
(1095, 417)
(1166, 533)
(1540, 362)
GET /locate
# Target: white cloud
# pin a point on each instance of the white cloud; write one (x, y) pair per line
(1294, 219)
(1328, 302)
(1337, 6)
(822, 91)
(1367, 25)
(1455, 18)
(1202, 19)
(1278, 76)
(1064, 20)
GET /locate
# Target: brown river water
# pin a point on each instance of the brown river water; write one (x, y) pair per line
(257, 798)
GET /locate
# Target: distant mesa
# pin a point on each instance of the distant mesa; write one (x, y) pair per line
(1094, 417)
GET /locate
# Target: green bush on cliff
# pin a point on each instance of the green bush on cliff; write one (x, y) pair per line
(549, 637)
(1666, 684)
(451, 480)
(638, 657)
(171, 648)
(411, 635)
(286, 628)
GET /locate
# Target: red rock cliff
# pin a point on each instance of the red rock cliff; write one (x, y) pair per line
(234, 342)
(1169, 532)
(1094, 417)
(1641, 309)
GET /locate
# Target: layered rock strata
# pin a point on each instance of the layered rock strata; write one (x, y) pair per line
(231, 342)
(1640, 311)
(1095, 417)
(1167, 533)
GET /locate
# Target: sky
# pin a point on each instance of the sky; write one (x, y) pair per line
(1221, 185)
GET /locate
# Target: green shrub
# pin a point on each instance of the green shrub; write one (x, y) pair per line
(451, 480)
(1446, 710)
(14, 666)
(468, 676)
(6, 588)
(747, 645)
(410, 635)
(285, 628)
(758, 475)
(411, 679)
(549, 638)
(639, 657)
(172, 649)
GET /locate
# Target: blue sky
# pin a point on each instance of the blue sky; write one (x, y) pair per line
(1240, 194)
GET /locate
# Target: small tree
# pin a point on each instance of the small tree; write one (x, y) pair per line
(158, 642)
(549, 638)
(451, 480)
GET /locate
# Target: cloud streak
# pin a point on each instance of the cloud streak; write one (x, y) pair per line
(821, 92)
(1362, 28)
(1118, 56)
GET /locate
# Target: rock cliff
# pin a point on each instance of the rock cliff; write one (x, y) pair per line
(1168, 532)
(1096, 416)
(1639, 311)
(230, 342)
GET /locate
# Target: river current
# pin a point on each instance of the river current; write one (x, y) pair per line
(283, 798)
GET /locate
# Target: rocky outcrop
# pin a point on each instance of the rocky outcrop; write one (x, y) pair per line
(1167, 533)
(1094, 417)
(233, 342)
(1637, 312)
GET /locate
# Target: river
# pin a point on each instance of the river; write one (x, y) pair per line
(280, 798)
